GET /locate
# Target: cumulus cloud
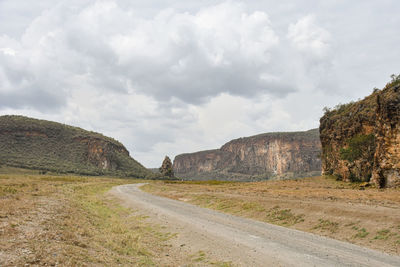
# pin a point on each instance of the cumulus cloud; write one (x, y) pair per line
(219, 49)
(222, 48)
(308, 37)
(106, 67)
(167, 77)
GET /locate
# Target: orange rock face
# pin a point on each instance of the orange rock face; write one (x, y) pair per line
(361, 140)
(386, 168)
(260, 157)
(100, 152)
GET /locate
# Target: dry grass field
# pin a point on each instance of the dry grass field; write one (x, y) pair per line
(48, 220)
(354, 213)
(72, 221)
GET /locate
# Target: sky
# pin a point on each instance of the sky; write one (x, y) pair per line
(170, 77)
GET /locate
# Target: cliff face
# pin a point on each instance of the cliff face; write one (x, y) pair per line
(361, 140)
(100, 152)
(51, 146)
(265, 156)
(386, 168)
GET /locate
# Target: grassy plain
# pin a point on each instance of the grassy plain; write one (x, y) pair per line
(72, 221)
(353, 213)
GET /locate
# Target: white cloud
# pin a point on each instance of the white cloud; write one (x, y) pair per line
(308, 37)
(7, 51)
(194, 56)
(222, 48)
(167, 77)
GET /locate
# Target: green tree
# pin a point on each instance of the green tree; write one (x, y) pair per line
(358, 146)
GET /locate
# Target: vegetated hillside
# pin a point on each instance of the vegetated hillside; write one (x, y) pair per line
(361, 140)
(51, 146)
(260, 157)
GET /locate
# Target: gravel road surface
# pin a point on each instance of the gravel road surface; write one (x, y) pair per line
(246, 242)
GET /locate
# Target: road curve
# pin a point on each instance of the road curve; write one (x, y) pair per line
(265, 244)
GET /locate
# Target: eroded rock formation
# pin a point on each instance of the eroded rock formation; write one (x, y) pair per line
(260, 157)
(361, 140)
(166, 168)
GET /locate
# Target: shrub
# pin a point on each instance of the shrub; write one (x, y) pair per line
(395, 78)
(358, 146)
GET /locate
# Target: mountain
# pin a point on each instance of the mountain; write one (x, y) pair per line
(260, 157)
(361, 140)
(51, 146)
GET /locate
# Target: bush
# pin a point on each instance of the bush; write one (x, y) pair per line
(358, 146)
(395, 78)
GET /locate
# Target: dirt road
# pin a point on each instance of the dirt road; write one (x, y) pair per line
(247, 242)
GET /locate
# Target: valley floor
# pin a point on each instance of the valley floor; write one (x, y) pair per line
(246, 242)
(51, 220)
(353, 213)
(69, 220)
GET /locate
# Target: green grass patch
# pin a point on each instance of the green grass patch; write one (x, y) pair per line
(382, 234)
(327, 225)
(200, 256)
(283, 216)
(361, 233)
(7, 190)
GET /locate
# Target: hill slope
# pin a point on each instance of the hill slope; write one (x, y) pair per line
(259, 157)
(51, 146)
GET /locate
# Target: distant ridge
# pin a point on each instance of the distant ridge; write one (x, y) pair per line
(264, 156)
(51, 146)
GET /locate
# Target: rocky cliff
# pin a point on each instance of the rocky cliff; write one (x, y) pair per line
(50, 146)
(166, 168)
(361, 140)
(260, 157)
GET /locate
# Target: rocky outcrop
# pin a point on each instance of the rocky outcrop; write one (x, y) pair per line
(361, 140)
(260, 157)
(166, 168)
(100, 152)
(51, 146)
